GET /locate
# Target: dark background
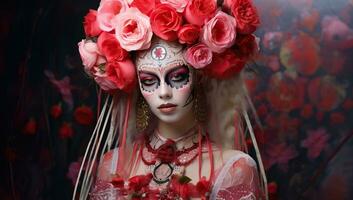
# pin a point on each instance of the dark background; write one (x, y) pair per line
(301, 86)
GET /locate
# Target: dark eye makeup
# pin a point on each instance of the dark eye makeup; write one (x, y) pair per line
(176, 78)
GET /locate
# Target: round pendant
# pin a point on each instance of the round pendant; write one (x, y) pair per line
(162, 172)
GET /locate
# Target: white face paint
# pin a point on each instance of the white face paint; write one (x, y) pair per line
(166, 81)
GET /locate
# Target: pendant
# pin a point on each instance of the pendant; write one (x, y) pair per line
(162, 172)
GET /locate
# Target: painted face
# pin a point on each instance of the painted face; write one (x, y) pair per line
(165, 81)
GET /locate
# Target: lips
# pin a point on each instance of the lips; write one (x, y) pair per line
(167, 108)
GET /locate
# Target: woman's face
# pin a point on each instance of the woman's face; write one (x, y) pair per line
(166, 83)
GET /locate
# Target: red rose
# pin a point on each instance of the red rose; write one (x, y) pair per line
(65, 131)
(225, 65)
(166, 152)
(110, 47)
(118, 182)
(145, 6)
(136, 183)
(203, 186)
(165, 22)
(189, 34)
(30, 127)
(199, 11)
(83, 115)
(56, 111)
(122, 74)
(180, 186)
(90, 24)
(246, 14)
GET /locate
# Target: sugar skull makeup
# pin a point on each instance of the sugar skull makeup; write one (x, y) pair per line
(165, 80)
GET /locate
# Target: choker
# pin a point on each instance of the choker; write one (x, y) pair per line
(165, 157)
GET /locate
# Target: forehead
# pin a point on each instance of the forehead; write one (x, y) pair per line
(161, 56)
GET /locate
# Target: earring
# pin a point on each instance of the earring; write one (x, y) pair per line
(143, 114)
(200, 106)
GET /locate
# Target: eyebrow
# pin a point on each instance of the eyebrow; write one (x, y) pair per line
(153, 71)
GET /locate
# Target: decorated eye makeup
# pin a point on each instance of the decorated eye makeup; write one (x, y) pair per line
(178, 77)
(149, 82)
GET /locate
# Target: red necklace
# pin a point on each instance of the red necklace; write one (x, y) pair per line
(165, 161)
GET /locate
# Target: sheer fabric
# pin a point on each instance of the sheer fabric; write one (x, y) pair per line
(237, 179)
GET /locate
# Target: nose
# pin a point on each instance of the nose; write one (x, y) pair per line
(165, 92)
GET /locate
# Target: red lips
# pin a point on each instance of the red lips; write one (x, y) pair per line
(167, 108)
(167, 105)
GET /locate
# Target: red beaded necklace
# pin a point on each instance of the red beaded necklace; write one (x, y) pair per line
(165, 161)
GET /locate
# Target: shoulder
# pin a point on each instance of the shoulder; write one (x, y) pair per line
(231, 156)
(107, 165)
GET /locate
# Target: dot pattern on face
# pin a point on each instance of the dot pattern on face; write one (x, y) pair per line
(176, 78)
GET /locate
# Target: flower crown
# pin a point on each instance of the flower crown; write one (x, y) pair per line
(218, 39)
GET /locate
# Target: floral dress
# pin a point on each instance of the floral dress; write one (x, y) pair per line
(236, 179)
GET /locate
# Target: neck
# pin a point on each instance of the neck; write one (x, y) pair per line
(177, 129)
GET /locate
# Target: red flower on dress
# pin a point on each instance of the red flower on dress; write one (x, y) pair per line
(139, 182)
(180, 186)
(203, 187)
(166, 153)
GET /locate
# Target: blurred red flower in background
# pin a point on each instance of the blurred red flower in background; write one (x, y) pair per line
(84, 115)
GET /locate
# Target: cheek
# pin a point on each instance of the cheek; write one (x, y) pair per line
(184, 91)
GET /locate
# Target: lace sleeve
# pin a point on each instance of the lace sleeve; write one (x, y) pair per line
(237, 180)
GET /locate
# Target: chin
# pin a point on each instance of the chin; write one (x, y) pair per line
(169, 118)
(172, 117)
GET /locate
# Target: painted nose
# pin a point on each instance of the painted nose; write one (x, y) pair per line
(165, 92)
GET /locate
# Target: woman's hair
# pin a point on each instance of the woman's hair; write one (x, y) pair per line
(227, 106)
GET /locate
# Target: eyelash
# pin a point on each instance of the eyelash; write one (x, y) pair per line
(148, 81)
(177, 77)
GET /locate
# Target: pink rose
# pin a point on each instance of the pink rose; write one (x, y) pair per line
(199, 11)
(198, 56)
(90, 24)
(89, 54)
(110, 47)
(225, 65)
(166, 22)
(189, 34)
(219, 33)
(107, 10)
(179, 5)
(133, 30)
(145, 6)
(122, 74)
(105, 84)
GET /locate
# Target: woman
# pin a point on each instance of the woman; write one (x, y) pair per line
(189, 107)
